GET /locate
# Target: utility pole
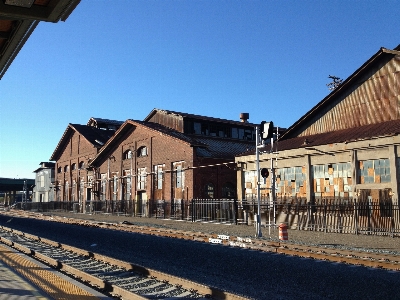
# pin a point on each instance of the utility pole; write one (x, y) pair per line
(263, 133)
(258, 223)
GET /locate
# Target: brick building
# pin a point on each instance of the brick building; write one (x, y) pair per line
(78, 145)
(168, 156)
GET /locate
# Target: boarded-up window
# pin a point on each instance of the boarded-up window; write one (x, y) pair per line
(374, 171)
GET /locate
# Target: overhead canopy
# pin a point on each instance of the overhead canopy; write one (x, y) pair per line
(18, 19)
(10, 184)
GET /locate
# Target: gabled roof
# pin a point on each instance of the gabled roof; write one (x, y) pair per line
(192, 116)
(208, 147)
(292, 131)
(45, 165)
(130, 125)
(97, 137)
(220, 148)
(366, 132)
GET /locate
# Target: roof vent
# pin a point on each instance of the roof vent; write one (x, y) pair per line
(244, 117)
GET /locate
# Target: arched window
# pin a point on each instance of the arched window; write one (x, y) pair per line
(66, 168)
(127, 154)
(209, 190)
(81, 165)
(228, 190)
(73, 166)
(142, 151)
(59, 170)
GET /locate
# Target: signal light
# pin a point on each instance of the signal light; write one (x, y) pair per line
(264, 172)
(266, 130)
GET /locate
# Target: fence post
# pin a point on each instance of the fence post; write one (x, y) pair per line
(355, 217)
(193, 209)
(235, 208)
(325, 223)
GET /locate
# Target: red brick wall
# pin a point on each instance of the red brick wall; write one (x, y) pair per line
(161, 150)
(77, 149)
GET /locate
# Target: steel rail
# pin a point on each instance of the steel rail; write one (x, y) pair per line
(361, 258)
(117, 278)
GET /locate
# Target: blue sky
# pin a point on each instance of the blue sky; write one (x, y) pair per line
(214, 58)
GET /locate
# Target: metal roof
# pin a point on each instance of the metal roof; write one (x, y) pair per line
(221, 148)
(365, 132)
(97, 137)
(104, 121)
(198, 117)
(291, 131)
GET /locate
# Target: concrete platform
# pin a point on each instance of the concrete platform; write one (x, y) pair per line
(23, 278)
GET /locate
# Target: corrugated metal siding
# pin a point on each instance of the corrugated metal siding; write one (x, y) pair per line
(168, 120)
(375, 100)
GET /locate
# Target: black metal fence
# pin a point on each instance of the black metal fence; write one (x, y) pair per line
(328, 215)
(357, 216)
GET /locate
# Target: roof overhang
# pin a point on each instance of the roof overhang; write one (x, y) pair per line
(19, 18)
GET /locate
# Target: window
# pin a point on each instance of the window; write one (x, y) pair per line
(73, 166)
(197, 128)
(179, 176)
(158, 177)
(59, 170)
(141, 178)
(81, 186)
(374, 171)
(66, 168)
(142, 151)
(73, 190)
(126, 193)
(115, 187)
(66, 191)
(228, 190)
(332, 180)
(81, 165)
(127, 154)
(209, 190)
(103, 187)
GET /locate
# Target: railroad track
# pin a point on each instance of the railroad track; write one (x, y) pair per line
(117, 278)
(361, 258)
